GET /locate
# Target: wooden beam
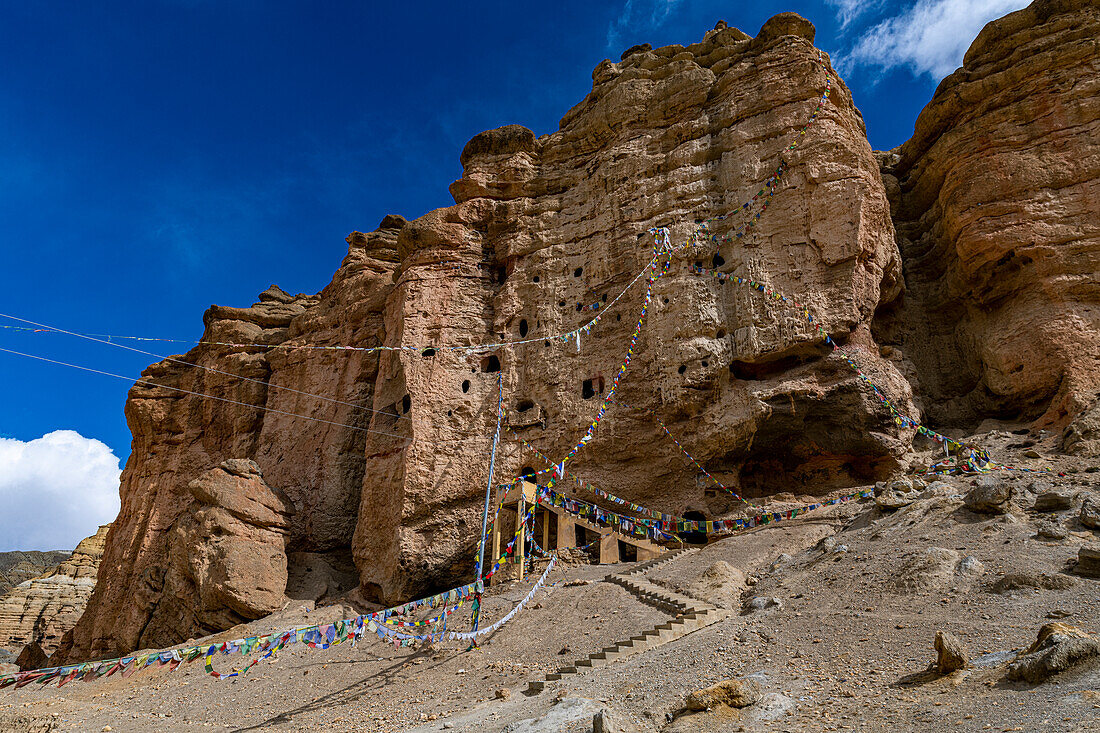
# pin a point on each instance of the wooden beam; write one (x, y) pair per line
(567, 532)
(521, 513)
(609, 549)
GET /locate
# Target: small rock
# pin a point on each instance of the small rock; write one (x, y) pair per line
(503, 693)
(759, 603)
(106, 728)
(1055, 500)
(448, 725)
(733, 693)
(950, 654)
(1032, 453)
(1088, 561)
(1058, 647)
(1090, 512)
(991, 495)
(1052, 530)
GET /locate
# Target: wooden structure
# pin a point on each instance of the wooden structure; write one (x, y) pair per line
(560, 530)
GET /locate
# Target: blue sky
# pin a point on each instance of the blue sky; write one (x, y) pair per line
(160, 156)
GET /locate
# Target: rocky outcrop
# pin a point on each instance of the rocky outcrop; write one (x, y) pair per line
(227, 560)
(998, 221)
(393, 467)
(42, 609)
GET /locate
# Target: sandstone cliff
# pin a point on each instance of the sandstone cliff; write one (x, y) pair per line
(998, 221)
(41, 609)
(541, 227)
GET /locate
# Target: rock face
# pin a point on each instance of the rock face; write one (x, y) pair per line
(40, 610)
(541, 228)
(998, 221)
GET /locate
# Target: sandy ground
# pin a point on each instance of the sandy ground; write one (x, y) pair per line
(860, 596)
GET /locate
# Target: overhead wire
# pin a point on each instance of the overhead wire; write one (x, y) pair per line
(146, 383)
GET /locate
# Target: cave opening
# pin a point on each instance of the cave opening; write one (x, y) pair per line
(578, 272)
(694, 537)
(528, 473)
(406, 404)
(810, 444)
(427, 352)
(465, 385)
(490, 364)
(522, 327)
(718, 260)
(524, 405)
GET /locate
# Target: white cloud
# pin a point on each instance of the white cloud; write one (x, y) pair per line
(850, 10)
(930, 37)
(55, 490)
(638, 16)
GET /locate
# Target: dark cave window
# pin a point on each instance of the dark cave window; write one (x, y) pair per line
(721, 333)
(406, 403)
(524, 405)
(618, 317)
(465, 385)
(545, 343)
(490, 364)
(683, 368)
(535, 278)
(578, 272)
(705, 363)
(561, 303)
(717, 260)
(528, 473)
(427, 352)
(586, 390)
(523, 327)
(666, 301)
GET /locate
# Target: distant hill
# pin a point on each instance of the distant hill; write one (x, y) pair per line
(17, 566)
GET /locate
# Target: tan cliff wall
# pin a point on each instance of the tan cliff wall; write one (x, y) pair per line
(998, 220)
(41, 609)
(540, 225)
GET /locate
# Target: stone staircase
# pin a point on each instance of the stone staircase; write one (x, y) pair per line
(691, 614)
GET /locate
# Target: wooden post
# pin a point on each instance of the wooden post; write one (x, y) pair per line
(521, 512)
(496, 547)
(567, 532)
(609, 549)
(546, 530)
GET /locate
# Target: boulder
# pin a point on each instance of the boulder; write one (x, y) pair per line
(1054, 500)
(734, 693)
(1058, 647)
(1088, 561)
(950, 653)
(991, 495)
(32, 657)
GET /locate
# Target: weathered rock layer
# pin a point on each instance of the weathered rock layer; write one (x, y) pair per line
(42, 609)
